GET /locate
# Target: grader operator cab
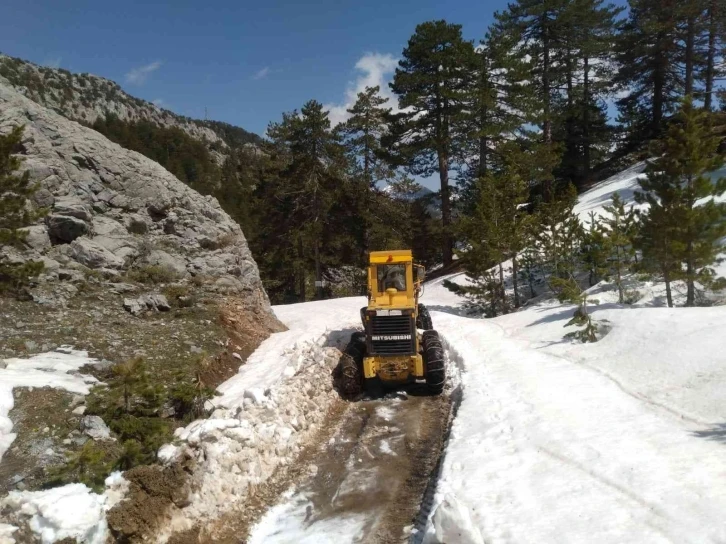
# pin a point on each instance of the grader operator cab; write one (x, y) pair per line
(398, 345)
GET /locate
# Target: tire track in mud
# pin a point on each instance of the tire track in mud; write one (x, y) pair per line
(368, 483)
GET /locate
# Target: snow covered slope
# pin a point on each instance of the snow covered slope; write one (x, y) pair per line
(618, 441)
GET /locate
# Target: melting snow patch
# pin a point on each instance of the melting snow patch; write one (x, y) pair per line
(57, 369)
(385, 412)
(385, 448)
(72, 511)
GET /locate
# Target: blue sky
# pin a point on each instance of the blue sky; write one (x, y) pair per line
(246, 62)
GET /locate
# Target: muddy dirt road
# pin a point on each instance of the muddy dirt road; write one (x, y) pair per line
(366, 484)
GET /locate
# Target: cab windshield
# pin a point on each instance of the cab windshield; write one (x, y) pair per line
(391, 276)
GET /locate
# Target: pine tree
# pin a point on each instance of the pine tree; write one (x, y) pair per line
(538, 28)
(432, 82)
(618, 242)
(496, 229)
(715, 24)
(587, 42)
(15, 190)
(594, 250)
(648, 55)
(658, 240)
(362, 134)
(560, 235)
(309, 185)
(680, 233)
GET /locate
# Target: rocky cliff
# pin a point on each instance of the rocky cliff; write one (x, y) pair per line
(111, 209)
(137, 265)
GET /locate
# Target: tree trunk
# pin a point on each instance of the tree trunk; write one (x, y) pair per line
(445, 209)
(690, 56)
(301, 270)
(515, 281)
(483, 118)
(586, 160)
(546, 83)
(546, 96)
(690, 273)
(619, 277)
(669, 296)
(503, 291)
(318, 273)
(711, 54)
(661, 66)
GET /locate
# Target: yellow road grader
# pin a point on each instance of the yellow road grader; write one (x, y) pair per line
(398, 344)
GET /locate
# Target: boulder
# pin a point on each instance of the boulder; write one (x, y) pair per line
(163, 259)
(44, 198)
(37, 237)
(95, 427)
(93, 255)
(136, 224)
(105, 226)
(72, 207)
(134, 306)
(159, 302)
(63, 229)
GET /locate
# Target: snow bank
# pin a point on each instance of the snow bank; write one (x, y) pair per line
(57, 369)
(278, 357)
(72, 511)
(267, 412)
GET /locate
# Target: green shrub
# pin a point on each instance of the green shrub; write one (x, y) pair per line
(152, 274)
(180, 296)
(148, 433)
(90, 465)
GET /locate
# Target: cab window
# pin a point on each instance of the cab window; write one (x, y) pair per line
(391, 276)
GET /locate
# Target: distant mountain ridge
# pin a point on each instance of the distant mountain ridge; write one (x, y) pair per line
(86, 98)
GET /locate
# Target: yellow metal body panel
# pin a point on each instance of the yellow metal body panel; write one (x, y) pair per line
(379, 296)
(394, 369)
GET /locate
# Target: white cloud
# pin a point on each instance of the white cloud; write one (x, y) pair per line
(138, 76)
(374, 69)
(158, 102)
(262, 74)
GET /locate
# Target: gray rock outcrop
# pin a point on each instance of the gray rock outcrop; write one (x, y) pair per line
(114, 209)
(95, 427)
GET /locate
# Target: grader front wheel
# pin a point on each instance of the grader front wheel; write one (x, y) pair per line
(423, 321)
(433, 355)
(351, 366)
(351, 382)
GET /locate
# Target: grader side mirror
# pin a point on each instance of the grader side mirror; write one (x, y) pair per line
(420, 273)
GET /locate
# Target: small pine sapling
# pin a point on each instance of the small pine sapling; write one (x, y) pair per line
(569, 291)
(618, 244)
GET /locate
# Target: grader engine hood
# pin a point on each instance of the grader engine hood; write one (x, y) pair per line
(390, 332)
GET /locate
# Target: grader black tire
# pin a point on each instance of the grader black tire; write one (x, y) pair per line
(433, 356)
(356, 348)
(350, 377)
(351, 365)
(423, 321)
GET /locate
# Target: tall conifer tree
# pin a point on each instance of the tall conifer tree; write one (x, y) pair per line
(432, 82)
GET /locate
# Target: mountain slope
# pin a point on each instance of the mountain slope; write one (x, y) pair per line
(86, 97)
